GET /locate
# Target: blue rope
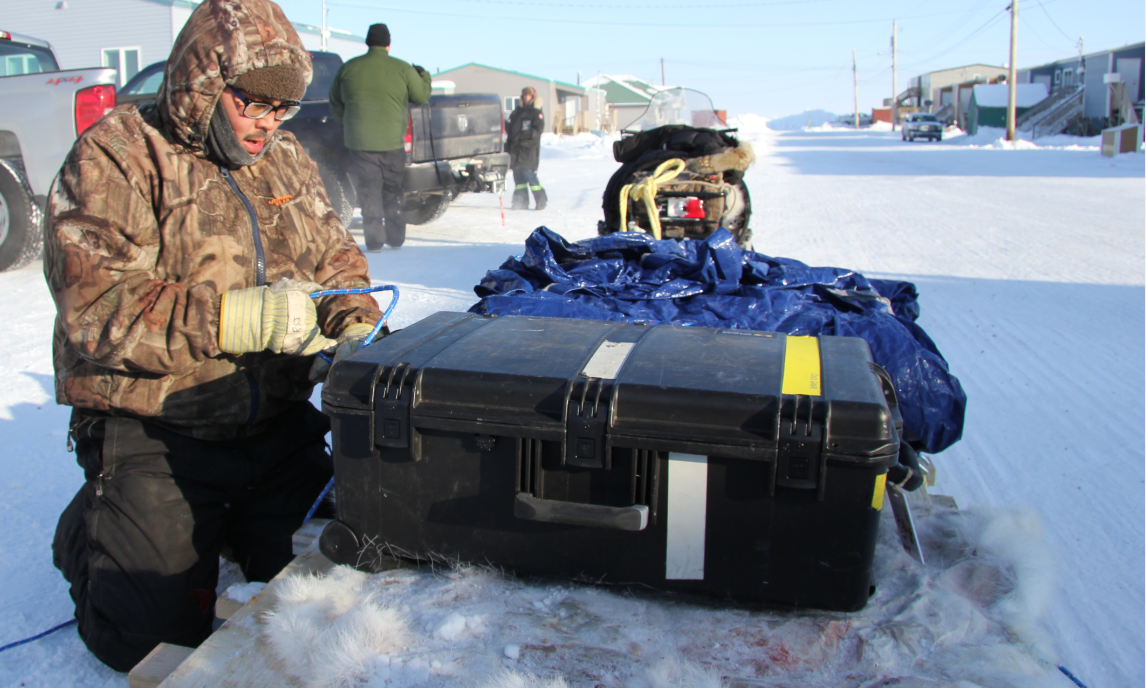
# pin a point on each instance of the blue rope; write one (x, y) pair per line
(1071, 676)
(365, 343)
(314, 507)
(18, 643)
(363, 290)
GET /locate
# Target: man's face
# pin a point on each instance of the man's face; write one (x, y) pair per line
(253, 134)
(526, 98)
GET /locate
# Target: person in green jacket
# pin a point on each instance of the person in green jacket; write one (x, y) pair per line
(370, 98)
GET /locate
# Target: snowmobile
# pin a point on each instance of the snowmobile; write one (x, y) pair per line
(682, 173)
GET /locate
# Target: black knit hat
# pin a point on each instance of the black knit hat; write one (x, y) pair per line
(277, 82)
(378, 35)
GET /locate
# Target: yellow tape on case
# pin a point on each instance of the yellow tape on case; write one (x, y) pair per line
(880, 488)
(801, 366)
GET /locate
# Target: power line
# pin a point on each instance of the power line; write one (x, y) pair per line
(642, 24)
(661, 6)
(1052, 21)
(994, 18)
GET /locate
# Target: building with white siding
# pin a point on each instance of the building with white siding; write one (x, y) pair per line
(128, 34)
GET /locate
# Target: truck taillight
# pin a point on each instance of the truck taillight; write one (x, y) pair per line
(408, 141)
(92, 103)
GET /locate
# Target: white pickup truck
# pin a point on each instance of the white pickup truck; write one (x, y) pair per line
(42, 111)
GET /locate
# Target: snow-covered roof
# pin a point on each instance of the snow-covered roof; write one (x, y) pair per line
(637, 86)
(997, 95)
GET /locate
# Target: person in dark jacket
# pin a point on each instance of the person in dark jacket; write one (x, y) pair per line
(370, 97)
(523, 143)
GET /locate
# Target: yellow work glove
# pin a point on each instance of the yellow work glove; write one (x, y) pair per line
(280, 318)
(348, 342)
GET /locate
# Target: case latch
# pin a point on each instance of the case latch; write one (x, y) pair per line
(800, 449)
(587, 421)
(391, 407)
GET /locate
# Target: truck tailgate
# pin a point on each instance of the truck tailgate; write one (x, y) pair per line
(456, 126)
(39, 111)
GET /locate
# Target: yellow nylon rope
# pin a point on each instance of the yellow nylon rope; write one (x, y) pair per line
(646, 190)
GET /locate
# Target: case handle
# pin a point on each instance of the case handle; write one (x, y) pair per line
(530, 508)
(886, 385)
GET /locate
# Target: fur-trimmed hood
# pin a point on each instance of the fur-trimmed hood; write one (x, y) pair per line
(222, 40)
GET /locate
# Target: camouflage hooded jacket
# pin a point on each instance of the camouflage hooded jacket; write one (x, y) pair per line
(145, 232)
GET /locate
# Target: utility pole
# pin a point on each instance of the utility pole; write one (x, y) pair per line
(1011, 71)
(662, 71)
(856, 89)
(325, 31)
(894, 66)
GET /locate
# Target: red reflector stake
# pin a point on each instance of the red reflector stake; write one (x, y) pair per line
(92, 103)
(694, 208)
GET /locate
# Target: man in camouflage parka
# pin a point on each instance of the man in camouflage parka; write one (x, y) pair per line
(182, 243)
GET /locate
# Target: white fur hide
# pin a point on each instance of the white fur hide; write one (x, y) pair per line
(972, 617)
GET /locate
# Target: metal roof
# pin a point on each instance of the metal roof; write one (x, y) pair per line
(563, 84)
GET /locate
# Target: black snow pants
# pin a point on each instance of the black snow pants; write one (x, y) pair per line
(140, 542)
(525, 180)
(379, 178)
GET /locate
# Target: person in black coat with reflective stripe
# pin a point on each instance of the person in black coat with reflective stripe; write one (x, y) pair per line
(523, 143)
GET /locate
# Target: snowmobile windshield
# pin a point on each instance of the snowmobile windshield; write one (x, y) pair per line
(678, 106)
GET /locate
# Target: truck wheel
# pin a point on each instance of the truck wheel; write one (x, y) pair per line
(338, 191)
(421, 210)
(21, 234)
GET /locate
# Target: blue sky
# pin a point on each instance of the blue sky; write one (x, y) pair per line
(772, 58)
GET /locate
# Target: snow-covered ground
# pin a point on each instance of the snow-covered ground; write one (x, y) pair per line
(1030, 264)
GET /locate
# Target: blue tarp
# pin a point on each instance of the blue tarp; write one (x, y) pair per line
(632, 277)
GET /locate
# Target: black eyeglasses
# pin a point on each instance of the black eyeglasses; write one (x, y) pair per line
(254, 109)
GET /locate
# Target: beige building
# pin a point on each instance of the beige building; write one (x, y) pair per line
(566, 107)
(949, 90)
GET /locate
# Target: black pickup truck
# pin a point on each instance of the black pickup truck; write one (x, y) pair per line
(453, 142)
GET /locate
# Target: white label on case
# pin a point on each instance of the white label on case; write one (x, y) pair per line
(686, 516)
(607, 360)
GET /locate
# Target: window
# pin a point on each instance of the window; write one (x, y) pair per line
(1068, 77)
(1058, 78)
(22, 58)
(325, 66)
(149, 84)
(125, 60)
(511, 103)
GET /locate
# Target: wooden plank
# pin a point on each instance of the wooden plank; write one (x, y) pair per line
(236, 655)
(157, 665)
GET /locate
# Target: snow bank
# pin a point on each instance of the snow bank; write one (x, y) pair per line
(750, 125)
(811, 118)
(880, 126)
(583, 145)
(975, 612)
(995, 137)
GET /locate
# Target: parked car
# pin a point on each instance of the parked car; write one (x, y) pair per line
(922, 125)
(42, 111)
(453, 142)
(850, 120)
